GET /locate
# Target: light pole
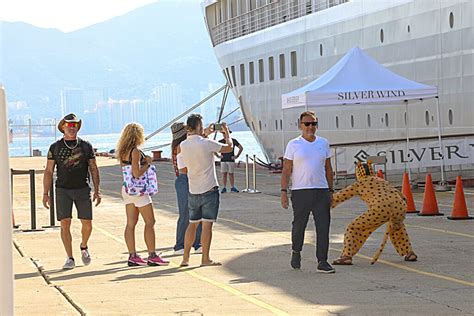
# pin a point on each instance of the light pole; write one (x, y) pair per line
(6, 264)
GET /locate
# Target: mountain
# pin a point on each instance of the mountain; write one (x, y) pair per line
(164, 42)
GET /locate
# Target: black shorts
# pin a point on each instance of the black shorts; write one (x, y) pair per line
(80, 197)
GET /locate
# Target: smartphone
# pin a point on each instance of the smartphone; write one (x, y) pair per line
(218, 127)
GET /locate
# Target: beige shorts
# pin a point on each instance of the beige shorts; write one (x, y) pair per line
(138, 201)
(227, 166)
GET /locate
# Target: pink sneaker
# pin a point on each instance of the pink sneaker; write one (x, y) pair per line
(157, 261)
(136, 260)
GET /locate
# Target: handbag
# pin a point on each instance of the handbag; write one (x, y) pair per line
(146, 184)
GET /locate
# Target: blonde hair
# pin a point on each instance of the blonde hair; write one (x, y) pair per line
(132, 136)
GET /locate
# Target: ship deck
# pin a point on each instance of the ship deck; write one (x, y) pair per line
(252, 240)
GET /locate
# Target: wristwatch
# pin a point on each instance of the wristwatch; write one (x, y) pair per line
(284, 190)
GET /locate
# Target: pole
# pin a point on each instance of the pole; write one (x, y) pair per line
(247, 175)
(32, 199)
(254, 174)
(407, 164)
(6, 267)
(442, 185)
(29, 137)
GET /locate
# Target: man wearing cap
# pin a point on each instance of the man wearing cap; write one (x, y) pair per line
(74, 158)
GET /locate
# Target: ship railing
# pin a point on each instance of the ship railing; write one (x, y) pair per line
(267, 16)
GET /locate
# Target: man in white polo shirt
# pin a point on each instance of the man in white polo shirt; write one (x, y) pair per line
(197, 155)
(307, 161)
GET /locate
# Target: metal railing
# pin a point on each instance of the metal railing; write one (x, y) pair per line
(266, 16)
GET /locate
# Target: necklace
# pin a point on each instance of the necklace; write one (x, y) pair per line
(71, 148)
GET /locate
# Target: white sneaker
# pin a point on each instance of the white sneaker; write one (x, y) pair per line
(179, 252)
(199, 250)
(70, 264)
(86, 257)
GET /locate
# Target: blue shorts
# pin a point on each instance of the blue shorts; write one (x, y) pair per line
(204, 207)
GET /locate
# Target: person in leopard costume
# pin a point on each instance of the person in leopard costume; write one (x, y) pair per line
(386, 205)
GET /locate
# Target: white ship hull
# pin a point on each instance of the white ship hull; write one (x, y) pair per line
(427, 41)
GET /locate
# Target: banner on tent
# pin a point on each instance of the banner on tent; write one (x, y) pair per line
(420, 154)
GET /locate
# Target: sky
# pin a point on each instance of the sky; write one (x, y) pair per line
(67, 15)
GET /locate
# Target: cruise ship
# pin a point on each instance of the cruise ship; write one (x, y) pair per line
(267, 48)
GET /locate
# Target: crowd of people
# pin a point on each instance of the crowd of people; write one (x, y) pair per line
(307, 163)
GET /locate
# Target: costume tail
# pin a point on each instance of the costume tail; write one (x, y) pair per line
(382, 245)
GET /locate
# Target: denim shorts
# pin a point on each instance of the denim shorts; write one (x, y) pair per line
(204, 207)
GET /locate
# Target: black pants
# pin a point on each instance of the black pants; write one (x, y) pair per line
(304, 202)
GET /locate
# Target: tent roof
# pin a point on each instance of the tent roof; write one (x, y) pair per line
(357, 78)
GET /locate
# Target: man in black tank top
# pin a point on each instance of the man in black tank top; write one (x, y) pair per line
(74, 158)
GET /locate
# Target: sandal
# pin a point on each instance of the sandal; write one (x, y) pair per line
(343, 261)
(210, 264)
(411, 256)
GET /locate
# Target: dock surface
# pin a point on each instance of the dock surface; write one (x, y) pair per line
(252, 239)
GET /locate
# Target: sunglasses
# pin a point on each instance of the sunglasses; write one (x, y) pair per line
(310, 123)
(71, 124)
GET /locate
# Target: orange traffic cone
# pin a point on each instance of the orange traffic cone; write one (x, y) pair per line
(459, 205)
(430, 205)
(406, 190)
(380, 174)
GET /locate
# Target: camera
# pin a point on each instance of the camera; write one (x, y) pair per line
(218, 127)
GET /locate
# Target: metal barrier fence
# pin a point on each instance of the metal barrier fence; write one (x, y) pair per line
(52, 219)
(247, 176)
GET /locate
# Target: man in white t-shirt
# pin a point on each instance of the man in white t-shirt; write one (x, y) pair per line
(197, 155)
(307, 161)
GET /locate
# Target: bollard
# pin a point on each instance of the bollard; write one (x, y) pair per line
(52, 219)
(247, 175)
(254, 174)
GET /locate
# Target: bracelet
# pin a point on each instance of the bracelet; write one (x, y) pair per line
(284, 190)
(46, 194)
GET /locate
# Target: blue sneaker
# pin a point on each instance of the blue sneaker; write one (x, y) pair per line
(224, 190)
(234, 189)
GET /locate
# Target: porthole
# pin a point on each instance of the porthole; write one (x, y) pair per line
(352, 121)
(253, 126)
(386, 119)
(427, 118)
(260, 125)
(451, 19)
(320, 49)
(276, 124)
(408, 28)
(281, 124)
(381, 36)
(337, 121)
(450, 117)
(368, 120)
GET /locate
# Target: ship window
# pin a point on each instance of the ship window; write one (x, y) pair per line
(242, 74)
(251, 73)
(427, 118)
(294, 64)
(381, 36)
(386, 119)
(281, 124)
(337, 121)
(232, 70)
(320, 49)
(282, 66)
(368, 120)
(450, 117)
(271, 69)
(352, 121)
(408, 28)
(260, 70)
(253, 126)
(451, 19)
(260, 125)
(228, 77)
(276, 124)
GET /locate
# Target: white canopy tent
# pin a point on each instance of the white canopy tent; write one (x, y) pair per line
(358, 79)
